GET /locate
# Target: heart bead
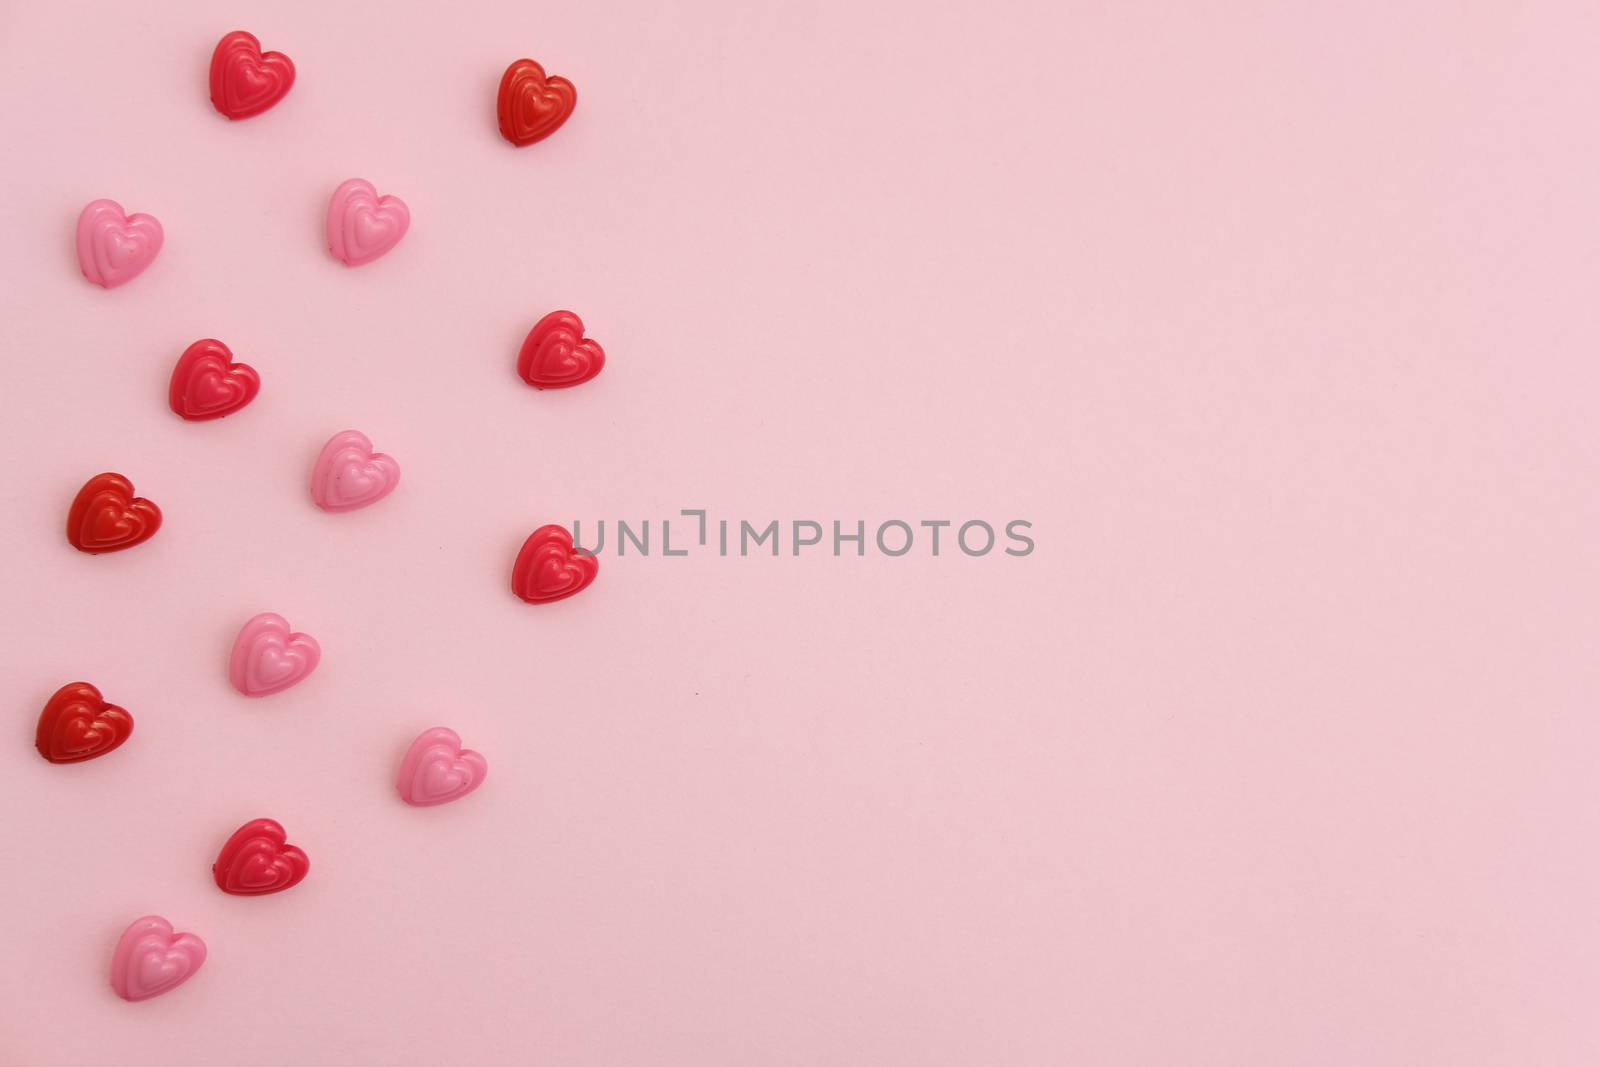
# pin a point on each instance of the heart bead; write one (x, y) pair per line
(268, 657)
(556, 355)
(208, 384)
(363, 225)
(549, 568)
(78, 724)
(437, 770)
(113, 246)
(258, 860)
(106, 516)
(348, 474)
(246, 81)
(151, 959)
(532, 106)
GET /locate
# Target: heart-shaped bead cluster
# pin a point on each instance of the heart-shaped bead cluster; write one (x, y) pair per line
(77, 723)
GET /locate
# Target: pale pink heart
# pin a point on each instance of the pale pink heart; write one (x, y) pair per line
(151, 959)
(436, 769)
(348, 474)
(363, 225)
(268, 657)
(113, 246)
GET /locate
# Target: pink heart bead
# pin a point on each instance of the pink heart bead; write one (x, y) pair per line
(151, 959)
(113, 246)
(268, 657)
(436, 769)
(348, 474)
(363, 225)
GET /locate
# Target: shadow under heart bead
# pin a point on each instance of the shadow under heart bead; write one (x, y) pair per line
(348, 474)
(437, 770)
(258, 860)
(363, 225)
(268, 657)
(151, 959)
(78, 724)
(113, 246)
(550, 568)
(208, 384)
(106, 517)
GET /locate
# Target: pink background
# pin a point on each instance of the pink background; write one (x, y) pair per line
(1278, 321)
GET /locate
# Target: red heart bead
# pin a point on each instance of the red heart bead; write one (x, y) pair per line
(556, 355)
(208, 384)
(107, 517)
(258, 859)
(549, 568)
(244, 80)
(531, 106)
(77, 724)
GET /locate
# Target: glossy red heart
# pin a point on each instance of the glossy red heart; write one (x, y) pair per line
(107, 517)
(244, 80)
(77, 724)
(556, 355)
(208, 384)
(531, 106)
(258, 860)
(549, 568)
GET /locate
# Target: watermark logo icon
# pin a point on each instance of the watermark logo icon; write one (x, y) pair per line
(696, 532)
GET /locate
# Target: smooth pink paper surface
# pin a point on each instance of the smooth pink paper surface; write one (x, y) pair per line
(1279, 322)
